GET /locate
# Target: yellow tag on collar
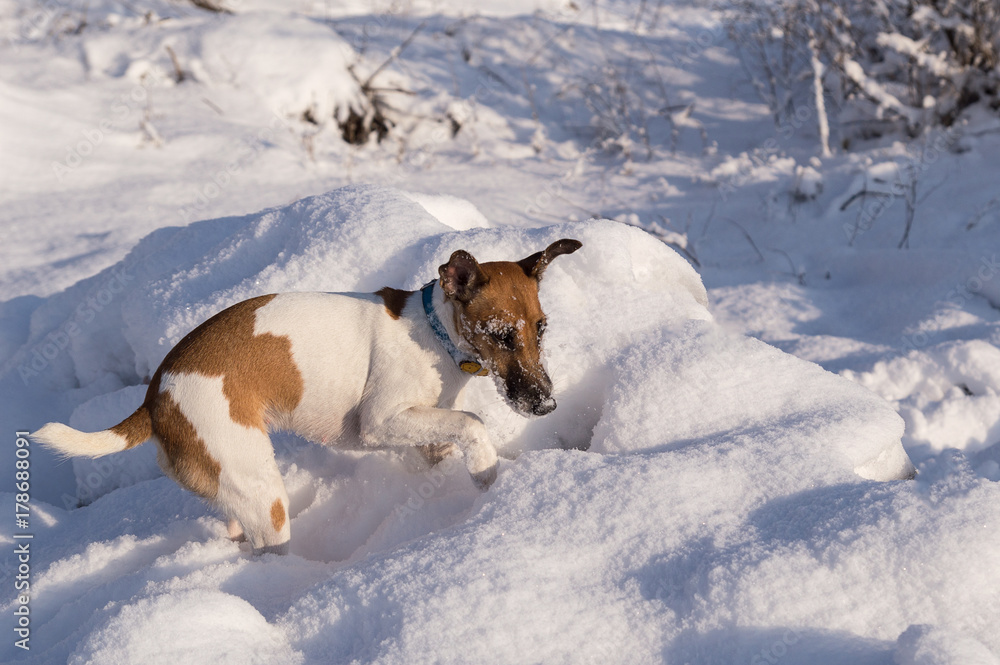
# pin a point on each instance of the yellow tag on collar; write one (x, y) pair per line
(472, 367)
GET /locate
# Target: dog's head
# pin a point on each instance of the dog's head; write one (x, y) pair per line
(498, 314)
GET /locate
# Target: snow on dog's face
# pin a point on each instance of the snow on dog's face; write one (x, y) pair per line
(498, 314)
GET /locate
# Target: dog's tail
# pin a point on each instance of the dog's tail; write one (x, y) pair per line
(69, 442)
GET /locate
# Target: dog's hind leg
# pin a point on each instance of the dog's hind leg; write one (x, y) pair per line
(252, 493)
(230, 464)
(235, 531)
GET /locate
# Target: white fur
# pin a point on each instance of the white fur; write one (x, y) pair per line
(375, 380)
(71, 442)
(249, 480)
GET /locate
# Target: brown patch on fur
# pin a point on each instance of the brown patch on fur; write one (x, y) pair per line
(507, 301)
(394, 299)
(503, 321)
(258, 371)
(135, 429)
(258, 374)
(185, 452)
(277, 515)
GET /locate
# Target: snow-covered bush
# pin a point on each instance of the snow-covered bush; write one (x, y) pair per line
(905, 63)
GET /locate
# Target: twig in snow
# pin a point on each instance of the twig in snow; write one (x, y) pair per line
(745, 233)
(910, 197)
(689, 252)
(149, 129)
(358, 126)
(179, 75)
(212, 6)
(212, 105)
(800, 275)
(855, 196)
(395, 53)
(822, 121)
(978, 217)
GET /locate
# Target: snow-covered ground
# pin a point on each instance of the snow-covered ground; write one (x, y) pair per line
(720, 483)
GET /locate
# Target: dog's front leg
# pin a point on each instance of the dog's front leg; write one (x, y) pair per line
(419, 425)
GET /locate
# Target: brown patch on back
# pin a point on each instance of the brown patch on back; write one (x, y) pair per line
(186, 453)
(258, 371)
(277, 515)
(394, 299)
(135, 429)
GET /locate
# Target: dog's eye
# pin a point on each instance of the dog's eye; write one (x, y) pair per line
(541, 326)
(504, 338)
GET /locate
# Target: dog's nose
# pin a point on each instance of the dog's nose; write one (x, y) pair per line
(547, 405)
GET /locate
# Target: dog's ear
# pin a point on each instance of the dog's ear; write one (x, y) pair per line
(535, 265)
(461, 277)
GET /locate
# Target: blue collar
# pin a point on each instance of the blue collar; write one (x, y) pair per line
(464, 362)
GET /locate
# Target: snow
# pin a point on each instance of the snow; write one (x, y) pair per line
(697, 383)
(725, 477)
(949, 395)
(932, 645)
(196, 627)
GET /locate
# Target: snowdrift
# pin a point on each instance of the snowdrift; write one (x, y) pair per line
(626, 357)
(293, 65)
(697, 496)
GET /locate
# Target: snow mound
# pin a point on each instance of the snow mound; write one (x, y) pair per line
(671, 557)
(296, 67)
(635, 372)
(188, 627)
(452, 211)
(696, 385)
(948, 393)
(722, 502)
(931, 645)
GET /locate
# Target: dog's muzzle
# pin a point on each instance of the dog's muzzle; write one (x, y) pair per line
(530, 397)
(547, 405)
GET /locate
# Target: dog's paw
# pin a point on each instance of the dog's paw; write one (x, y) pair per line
(484, 479)
(281, 548)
